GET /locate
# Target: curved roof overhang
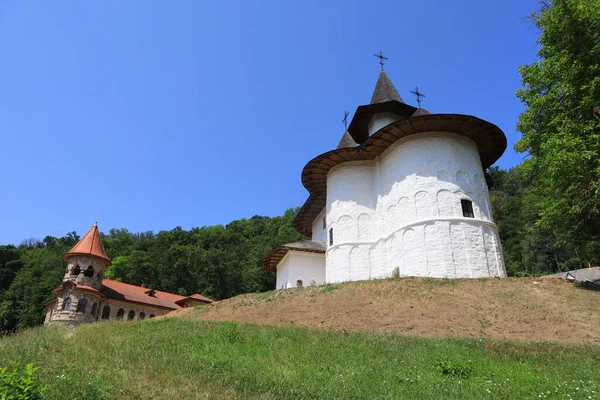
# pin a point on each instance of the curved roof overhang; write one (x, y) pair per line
(490, 141)
(270, 262)
(104, 260)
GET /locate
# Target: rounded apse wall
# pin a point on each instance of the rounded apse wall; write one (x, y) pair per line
(403, 211)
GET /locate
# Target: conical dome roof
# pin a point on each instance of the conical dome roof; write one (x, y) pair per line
(89, 245)
(385, 99)
(385, 90)
(346, 141)
(420, 111)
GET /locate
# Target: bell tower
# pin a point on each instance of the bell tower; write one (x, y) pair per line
(87, 260)
(79, 297)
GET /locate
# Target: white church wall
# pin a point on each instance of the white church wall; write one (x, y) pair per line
(309, 268)
(403, 211)
(319, 233)
(380, 120)
(283, 273)
(350, 195)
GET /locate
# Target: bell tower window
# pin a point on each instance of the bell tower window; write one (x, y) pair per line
(467, 208)
(331, 236)
(81, 305)
(77, 270)
(67, 304)
(89, 272)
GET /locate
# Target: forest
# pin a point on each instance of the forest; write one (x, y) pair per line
(547, 208)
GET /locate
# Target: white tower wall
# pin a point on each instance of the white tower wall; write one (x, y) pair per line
(319, 232)
(351, 203)
(403, 212)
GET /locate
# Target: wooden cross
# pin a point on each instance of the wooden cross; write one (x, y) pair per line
(345, 120)
(381, 58)
(97, 215)
(418, 94)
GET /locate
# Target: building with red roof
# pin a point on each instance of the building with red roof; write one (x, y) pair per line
(85, 296)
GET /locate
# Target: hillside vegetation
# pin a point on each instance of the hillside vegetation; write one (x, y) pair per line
(513, 308)
(217, 261)
(176, 358)
(547, 208)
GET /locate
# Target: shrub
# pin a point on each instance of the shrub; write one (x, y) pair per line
(455, 368)
(19, 384)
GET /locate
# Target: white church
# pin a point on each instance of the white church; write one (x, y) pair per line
(404, 194)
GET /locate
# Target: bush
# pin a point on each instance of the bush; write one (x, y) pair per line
(455, 368)
(19, 384)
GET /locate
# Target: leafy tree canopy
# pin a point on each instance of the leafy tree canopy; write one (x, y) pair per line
(561, 136)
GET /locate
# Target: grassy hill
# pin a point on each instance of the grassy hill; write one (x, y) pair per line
(185, 357)
(513, 308)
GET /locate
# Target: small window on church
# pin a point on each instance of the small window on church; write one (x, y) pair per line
(67, 304)
(81, 306)
(89, 272)
(299, 283)
(467, 208)
(331, 237)
(324, 223)
(95, 308)
(105, 312)
(152, 316)
(120, 313)
(142, 315)
(131, 315)
(77, 270)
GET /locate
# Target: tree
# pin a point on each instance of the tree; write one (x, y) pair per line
(560, 133)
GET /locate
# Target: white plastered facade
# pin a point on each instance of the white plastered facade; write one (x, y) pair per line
(401, 214)
(300, 267)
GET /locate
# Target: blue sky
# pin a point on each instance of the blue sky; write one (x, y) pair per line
(159, 114)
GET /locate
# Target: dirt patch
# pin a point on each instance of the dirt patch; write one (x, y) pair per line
(513, 308)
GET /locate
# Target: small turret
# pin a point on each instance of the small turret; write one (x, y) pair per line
(87, 260)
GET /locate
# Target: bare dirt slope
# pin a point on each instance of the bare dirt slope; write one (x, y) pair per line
(513, 308)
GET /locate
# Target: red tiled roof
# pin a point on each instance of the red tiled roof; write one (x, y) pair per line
(89, 245)
(80, 287)
(195, 296)
(138, 294)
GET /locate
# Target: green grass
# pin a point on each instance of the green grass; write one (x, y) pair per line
(175, 358)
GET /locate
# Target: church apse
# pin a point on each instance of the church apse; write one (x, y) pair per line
(433, 237)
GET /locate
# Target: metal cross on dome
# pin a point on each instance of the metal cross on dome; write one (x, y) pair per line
(418, 94)
(345, 120)
(381, 58)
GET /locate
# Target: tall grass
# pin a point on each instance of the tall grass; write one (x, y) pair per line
(175, 358)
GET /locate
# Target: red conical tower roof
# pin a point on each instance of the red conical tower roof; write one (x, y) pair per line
(89, 245)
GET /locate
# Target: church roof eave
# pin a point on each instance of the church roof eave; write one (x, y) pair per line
(271, 260)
